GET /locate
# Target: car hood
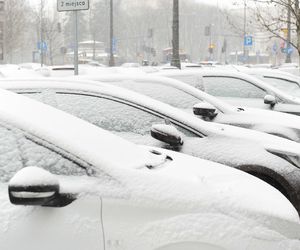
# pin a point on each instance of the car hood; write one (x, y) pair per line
(267, 141)
(205, 186)
(263, 120)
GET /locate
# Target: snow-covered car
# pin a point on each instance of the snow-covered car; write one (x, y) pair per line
(73, 186)
(146, 121)
(292, 68)
(284, 81)
(185, 95)
(240, 89)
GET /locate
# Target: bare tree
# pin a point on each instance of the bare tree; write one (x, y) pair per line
(53, 37)
(17, 13)
(280, 18)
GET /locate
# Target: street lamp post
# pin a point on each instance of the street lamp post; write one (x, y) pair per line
(175, 41)
(288, 40)
(245, 29)
(111, 37)
(42, 34)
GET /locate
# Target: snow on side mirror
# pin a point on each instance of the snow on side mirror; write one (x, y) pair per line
(167, 133)
(205, 110)
(36, 187)
(269, 99)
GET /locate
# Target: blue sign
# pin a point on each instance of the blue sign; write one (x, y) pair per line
(42, 46)
(114, 45)
(289, 50)
(275, 47)
(248, 41)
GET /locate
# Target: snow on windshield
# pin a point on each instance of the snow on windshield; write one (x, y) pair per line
(291, 88)
(17, 152)
(160, 92)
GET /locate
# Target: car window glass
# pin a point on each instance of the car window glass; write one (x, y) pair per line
(122, 119)
(194, 80)
(232, 87)
(284, 85)
(34, 95)
(163, 93)
(17, 151)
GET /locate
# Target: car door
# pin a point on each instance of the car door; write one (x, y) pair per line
(76, 226)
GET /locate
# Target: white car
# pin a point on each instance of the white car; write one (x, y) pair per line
(179, 94)
(240, 89)
(142, 120)
(74, 186)
(284, 81)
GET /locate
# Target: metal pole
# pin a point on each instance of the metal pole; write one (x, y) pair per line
(210, 41)
(288, 40)
(41, 35)
(76, 43)
(175, 41)
(111, 37)
(245, 31)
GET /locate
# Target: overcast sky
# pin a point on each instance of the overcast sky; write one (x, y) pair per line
(222, 3)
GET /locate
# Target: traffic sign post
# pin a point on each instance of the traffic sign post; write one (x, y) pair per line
(248, 41)
(74, 5)
(42, 46)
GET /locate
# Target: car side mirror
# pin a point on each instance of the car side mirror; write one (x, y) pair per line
(205, 110)
(269, 99)
(36, 187)
(167, 133)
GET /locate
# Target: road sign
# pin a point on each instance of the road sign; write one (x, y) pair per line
(274, 48)
(72, 5)
(114, 45)
(42, 46)
(289, 50)
(248, 41)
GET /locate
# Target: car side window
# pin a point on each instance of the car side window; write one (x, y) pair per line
(167, 94)
(127, 121)
(18, 151)
(284, 85)
(231, 87)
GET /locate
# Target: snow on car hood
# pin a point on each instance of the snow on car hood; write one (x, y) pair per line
(196, 185)
(269, 142)
(271, 117)
(82, 139)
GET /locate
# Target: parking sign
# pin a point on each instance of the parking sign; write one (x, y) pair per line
(248, 41)
(72, 5)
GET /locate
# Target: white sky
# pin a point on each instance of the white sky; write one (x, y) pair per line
(222, 3)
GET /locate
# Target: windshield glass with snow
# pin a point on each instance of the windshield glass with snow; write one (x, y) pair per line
(17, 151)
